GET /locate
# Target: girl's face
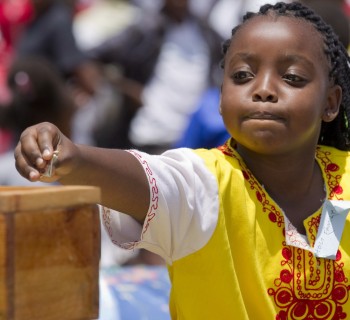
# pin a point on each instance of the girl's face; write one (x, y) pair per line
(276, 90)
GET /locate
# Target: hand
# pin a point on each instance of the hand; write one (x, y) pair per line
(36, 148)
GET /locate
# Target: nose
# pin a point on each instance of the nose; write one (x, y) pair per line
(265, 90)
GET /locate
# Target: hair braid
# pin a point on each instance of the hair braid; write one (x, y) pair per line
(337, 132)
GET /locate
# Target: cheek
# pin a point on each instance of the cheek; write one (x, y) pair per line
(233, 105)
(306, 120)
(228, 100)
(227, 108)
(311, 111)
(229, 114)
(234, 101)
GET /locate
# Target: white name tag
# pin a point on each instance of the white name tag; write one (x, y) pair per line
(331, 228)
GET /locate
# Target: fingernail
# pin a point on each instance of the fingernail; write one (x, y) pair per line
(32, 175)
(46, 153)
(39, 161)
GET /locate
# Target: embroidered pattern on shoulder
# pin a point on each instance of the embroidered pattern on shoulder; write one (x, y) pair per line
(226, 149)
(333, 178)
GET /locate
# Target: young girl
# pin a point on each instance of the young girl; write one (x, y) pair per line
(255, 229)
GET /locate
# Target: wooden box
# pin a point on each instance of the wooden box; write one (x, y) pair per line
(49, 253)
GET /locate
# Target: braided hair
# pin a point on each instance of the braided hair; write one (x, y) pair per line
(337, 132)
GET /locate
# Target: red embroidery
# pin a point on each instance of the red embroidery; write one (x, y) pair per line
(307, 287)
(154, 191)
(294, 236)
(269, 207)
(106, 216)
(313, 225)
(300, 292)
(331, 173)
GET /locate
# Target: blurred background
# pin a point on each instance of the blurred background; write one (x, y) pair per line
(139, 74)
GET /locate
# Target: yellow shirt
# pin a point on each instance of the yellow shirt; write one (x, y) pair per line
(225, 239)
(246, 270)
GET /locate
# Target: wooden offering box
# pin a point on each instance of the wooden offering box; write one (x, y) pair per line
(49, 253)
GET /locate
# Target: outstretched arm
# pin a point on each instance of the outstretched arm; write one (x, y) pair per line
(123, 182)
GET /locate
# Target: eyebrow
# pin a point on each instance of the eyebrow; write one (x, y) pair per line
(297, 58)
(242, 56)
(246, 56)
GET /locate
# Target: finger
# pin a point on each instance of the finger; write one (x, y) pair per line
(29, 149)
(48, 139)
(25, 167)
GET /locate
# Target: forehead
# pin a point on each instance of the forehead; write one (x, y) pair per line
(288, 35)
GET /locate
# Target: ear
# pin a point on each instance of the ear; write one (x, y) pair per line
(333, 103)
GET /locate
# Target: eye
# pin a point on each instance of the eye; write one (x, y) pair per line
(242, 76)
(294, 80)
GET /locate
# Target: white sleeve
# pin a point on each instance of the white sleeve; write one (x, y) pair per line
(183, 210)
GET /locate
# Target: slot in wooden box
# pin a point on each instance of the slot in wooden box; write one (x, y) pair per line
(49, 253)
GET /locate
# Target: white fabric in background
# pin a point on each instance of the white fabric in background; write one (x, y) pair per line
(180, 78)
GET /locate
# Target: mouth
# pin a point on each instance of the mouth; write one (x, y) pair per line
(264, 116)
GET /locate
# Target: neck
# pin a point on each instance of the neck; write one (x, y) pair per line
(287, 175)
(294, 182)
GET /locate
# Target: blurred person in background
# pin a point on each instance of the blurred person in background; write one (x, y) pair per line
(200, 9)
(14, 14)
(38, 94)
(50, 35)
(166, 59)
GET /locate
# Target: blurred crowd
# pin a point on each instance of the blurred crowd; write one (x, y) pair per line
(139, 74)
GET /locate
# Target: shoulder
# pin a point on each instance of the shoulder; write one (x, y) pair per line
(333, 160)
(335, 165)
(332, 152)
(220, 155)
(181, 168)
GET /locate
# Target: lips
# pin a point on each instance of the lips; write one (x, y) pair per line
(263, 115)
